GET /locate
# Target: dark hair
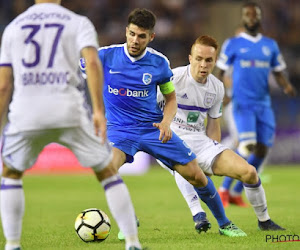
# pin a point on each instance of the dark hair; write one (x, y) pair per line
(206, 40)
(142, 18)
(251, 4)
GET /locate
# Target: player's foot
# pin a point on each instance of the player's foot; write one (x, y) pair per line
(231, 230)
(12, 247)
(121, 235)
(136, 248)
(224, 195)
(237, 200)
(269, 225)
(201, 222)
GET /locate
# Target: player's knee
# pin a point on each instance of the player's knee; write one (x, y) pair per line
(245, 148)
(250, 177)
(261, 150)
(11, 173)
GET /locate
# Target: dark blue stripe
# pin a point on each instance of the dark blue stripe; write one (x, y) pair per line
(113, 183)
(253, 185)
(5, 64)
(187, 107)
(4, 187)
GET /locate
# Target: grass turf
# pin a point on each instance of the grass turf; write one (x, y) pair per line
(53, 202)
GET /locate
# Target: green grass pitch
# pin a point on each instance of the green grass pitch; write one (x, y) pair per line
(53, 202)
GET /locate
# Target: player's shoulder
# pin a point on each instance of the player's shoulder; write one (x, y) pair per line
(157, 56)
(180, 71)
(110, 50)
(216, 83)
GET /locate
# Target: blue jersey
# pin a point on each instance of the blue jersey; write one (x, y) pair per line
(130, 85)
(252, 59)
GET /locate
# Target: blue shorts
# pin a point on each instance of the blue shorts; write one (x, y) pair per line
(255, 122)
(145, 139)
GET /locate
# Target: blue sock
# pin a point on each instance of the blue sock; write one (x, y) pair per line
(238, 187)
(255, 161)
(227, 181)
(210, 196)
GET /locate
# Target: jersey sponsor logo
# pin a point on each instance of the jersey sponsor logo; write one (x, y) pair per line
(193, 116)
(254, 63)
(209, 99)
(114, 72)
(147, 78)
(127, 92)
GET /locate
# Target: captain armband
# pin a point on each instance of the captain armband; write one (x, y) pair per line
(167, 88)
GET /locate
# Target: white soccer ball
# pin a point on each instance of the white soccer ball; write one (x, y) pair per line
(92, 225)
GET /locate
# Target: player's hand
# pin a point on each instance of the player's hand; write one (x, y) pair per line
(165, 131)
(290, 90)
(100, 125)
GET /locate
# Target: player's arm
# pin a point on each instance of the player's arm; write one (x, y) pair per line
(283, 82)
(170, 110)
(94, 72)
(227, 82)
(213, 128)
(6, 87)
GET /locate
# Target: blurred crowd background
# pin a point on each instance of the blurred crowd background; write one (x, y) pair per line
(180, 22)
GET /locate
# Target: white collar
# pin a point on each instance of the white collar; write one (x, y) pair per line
(253, 39)
(134, 59)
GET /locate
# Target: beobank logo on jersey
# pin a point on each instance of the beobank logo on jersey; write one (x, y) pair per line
(127, 92)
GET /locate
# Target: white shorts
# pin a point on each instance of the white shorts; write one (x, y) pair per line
(205, 149)
(20, 150)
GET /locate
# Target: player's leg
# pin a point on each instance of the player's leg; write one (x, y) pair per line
(231, 141)
(191, 197)
(257, 151)
(246, 124)
(210, 196)
(12, 201)
(106, 165)
(230, 164)
(19, 153)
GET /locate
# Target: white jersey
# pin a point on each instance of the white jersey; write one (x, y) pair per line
(195, 101)
(43, 46)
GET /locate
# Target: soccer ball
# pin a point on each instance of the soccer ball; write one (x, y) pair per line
(92, 225)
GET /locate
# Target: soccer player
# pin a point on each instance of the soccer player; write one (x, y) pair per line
(38, 66)
(253, 56)
(199, 96)
(135, 122)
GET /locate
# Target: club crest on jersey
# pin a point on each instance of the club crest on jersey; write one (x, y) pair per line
(147, 78)
(209, 99)
(266, 51)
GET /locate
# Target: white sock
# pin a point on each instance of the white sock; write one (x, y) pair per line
(189, 194)
(121, 208)
(257, 198)
(12, 204)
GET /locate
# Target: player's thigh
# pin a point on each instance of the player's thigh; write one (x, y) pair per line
(228, 163)
(87, 147)
(174, 152)
(20, 151)
(245, 121)
(266, 126)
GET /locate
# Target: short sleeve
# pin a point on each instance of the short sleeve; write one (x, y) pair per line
(87, 35)
(5, 53)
